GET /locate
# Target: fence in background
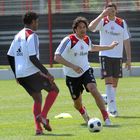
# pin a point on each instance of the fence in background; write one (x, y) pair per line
(62, 18)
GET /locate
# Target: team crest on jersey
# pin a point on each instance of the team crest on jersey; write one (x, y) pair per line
(81, 47)
(112, 27)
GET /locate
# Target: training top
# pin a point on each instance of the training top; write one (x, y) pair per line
(25, 44)
(75, 50)
(112, 30)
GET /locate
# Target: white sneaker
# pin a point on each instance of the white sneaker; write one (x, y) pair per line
(107, 122)
(113, 114)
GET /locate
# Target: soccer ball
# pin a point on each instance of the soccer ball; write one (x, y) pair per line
(94, 125)
(104, 98)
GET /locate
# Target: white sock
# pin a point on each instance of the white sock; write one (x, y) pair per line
(114, 99)
(85, 117)
(110, 97)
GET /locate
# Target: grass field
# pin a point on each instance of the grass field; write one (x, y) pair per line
(60, 65)
(16, 119)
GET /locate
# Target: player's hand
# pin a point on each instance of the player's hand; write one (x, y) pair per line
(106, 11)
(113, 44)
(48, 76)
(128, 64)
(77, 69)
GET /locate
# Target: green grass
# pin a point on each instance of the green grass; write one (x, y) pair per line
(60, 65)
(16, 119)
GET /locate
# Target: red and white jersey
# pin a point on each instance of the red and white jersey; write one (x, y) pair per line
(25, 44)
(112, 30)
(75, 50)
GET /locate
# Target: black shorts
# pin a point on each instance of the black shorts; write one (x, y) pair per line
(76, 84)
(35, 83)
(111, 67)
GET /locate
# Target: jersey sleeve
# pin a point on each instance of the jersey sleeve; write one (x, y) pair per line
(63, 46)
(11, 49)
(126, 31)
(32, 44)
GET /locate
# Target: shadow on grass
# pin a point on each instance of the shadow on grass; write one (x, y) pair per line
(59, 135)
(128, 117)
(83, 124)
(112, 126)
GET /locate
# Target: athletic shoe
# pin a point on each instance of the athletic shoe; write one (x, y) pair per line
(39, 132)
(107, 122)
(113, 114)
(45, 122)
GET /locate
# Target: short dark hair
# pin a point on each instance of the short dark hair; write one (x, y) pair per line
(111, 5)
(28, 17)
(77, 21)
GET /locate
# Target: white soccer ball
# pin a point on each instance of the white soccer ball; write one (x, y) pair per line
(104, 98)
(94, 125)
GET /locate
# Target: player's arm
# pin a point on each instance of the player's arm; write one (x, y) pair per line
(33, 56)
(59, 59)
(37, 63)
(63, 48)
(11, 61)
(11, 58)
(128, 53)
(44, 72)
(93, 24)
(96, 48)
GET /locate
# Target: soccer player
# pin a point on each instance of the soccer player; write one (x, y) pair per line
(112, 28)
(23, 57)
(72, 52)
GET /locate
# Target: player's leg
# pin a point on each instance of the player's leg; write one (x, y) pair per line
(49, 101)
(107, 67)
(110, 94)
(37, 97)
(29, 83)
(76, 89)
(99, 101)
(90, 85)
(114, 112)
(117, 73)
(81, 108)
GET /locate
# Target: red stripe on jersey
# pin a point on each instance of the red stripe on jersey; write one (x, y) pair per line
(28, 33)
(106, 21)
(119, 21)
(86, 39)
(73, 39)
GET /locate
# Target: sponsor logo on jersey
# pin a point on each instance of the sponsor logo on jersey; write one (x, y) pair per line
(19, 52)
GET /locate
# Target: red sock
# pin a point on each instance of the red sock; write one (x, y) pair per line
(37, 111)
(104, 114)
(49, 102)
(82, 110)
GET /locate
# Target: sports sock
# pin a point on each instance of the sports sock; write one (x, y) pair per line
(114, 98)
(110, 98)
(104, 114)
(84, 113)
(36, 112)
(48, 103)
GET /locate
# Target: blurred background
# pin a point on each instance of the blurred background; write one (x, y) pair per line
(55, 21)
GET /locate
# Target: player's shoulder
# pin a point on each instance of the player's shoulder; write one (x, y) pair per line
(119, 21)
(105, 20)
